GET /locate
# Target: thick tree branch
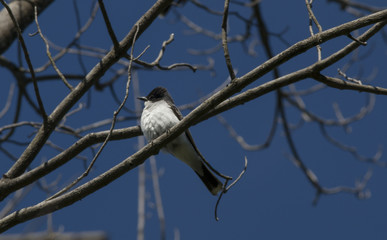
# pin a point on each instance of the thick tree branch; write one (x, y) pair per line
(8, 186)
(312, 71)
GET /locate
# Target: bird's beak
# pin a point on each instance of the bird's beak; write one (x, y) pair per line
(142, 99)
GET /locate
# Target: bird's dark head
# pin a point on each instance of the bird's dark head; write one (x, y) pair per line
(157, 94)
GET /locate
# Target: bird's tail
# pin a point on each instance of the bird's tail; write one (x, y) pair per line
(211, 182)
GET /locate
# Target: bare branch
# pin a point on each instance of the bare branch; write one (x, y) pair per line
(349, 78)
(224, 41)
(8, 186)
(108, 24)
(353, 150)
(239, 139)
(356, 5)
(226, 188)
(156, 62)
(358, 190)
(49, 53)
(8, 102)
(66, 49)
(341, 84)
(312, 18)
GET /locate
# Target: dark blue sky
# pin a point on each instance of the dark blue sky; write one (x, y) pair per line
(273, 200)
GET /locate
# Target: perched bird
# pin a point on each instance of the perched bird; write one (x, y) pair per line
(159, 115)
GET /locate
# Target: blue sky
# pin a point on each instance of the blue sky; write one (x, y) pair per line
(273, 200)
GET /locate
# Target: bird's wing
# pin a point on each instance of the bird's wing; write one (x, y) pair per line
(187, 132)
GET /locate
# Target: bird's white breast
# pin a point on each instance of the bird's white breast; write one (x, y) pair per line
(157, 118)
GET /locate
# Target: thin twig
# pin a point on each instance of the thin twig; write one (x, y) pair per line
(224, 40)
(15, 200)
(352, 150)
(239, 177)
(9, 100)
(108, 24)
(341, 73)
(356, 40)
(218, 201)
(312, 178)
(335, 122)
(345, 4)
(313, 19)
(219, 13)
(79, 108)
(49, 53)
(359, 190)
(240, 140)
(102, 123)
(226, 188)
(196, 29)
(156, 62)
(74, 41)
(164, 45)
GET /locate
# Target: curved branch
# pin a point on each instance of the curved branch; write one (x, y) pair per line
(313, 71)
(8, 186)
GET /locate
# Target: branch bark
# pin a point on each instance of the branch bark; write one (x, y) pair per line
(24, 14)
(7, 186)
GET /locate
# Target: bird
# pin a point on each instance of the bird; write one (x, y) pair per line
(158, 116)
